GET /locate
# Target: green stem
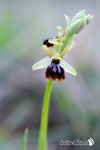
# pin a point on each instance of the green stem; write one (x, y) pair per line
(25, 140)
(44, 118)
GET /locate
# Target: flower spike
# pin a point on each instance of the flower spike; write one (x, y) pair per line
(60, 45)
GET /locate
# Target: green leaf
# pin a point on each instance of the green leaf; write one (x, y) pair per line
(88, 19)
(43, 63)
(73, 28)
(69, 46)
(57, 47)
(78, 16)
(68, 68)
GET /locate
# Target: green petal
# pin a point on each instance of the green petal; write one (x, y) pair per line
(43, 63)
(53, 41)
(68, 68)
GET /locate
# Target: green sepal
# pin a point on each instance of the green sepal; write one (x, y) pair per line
(43, 63)
(68, 68)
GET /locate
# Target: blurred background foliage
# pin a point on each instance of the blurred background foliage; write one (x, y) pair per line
(75, 103)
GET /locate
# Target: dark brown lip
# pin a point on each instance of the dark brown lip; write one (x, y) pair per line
(55, 71)
(46, 42)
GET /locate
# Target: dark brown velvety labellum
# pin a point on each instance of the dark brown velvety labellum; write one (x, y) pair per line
(55, 71)
(46, 42)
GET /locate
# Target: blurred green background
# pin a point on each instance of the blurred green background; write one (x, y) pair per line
(75, 103)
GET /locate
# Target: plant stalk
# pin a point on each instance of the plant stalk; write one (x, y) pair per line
(44, 118)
